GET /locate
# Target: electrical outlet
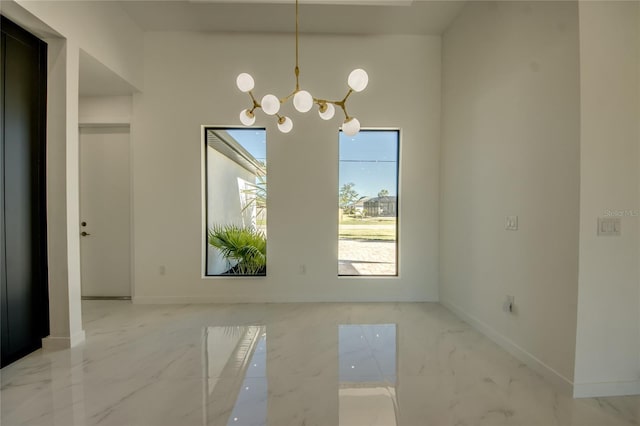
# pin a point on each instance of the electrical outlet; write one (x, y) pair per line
(609, 226)
(508, 305)
(302, 269)
(162, 269)
(511, 223)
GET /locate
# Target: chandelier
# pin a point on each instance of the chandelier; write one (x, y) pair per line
(303, 101)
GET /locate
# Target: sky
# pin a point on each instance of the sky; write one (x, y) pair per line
(253, 140)
(368, 159)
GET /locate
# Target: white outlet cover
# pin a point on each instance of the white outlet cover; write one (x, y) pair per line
(511, 223)
(609, 226)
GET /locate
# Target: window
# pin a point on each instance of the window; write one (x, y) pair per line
(235, 202)
(368, 203)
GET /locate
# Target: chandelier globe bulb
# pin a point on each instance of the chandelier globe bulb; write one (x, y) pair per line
(303, 101)
(270, 104)
(285, 124)
(358, 80)
(245, 82)
(351, 126)
(327, 111)
(247, 117)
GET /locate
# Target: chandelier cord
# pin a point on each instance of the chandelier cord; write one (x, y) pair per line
(297, 69)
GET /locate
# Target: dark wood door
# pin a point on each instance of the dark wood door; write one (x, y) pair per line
(24, 295)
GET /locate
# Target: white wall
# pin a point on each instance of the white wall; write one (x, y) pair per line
(224, 194)
(102, 29)
(511, 147)
(224, 200)
(63, 222)
(190, 81)
(608, 346)
(109, 110)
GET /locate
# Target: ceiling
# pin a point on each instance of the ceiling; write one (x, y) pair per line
(271, 16)
(277, 16)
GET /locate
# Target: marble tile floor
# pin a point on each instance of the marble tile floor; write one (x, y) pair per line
(380, 364)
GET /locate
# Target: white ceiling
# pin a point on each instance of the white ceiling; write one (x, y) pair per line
(271, 16)
(316, 16)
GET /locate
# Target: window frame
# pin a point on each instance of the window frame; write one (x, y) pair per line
(397, 275)
(204, 185)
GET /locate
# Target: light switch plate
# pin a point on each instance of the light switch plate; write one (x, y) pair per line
(511, 223)
(609, 226)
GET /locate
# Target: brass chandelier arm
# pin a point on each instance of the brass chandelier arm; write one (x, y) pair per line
(347, 95)
(297, 89)
(318, 101)
(255, 103)
(336, 103)
(344, 109)
(289, 96)
(342, 104)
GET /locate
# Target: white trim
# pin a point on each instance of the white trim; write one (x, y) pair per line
(399, 209)
(590, 390)
(203, 203)
(53, 343)
(321, 2)
(558, 380)
(272, 298)
(132, 239)
(115, 124)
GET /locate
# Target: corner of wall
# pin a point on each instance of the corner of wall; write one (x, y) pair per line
(562, 383)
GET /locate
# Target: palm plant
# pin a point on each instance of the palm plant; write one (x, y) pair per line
(244, 245)
(257, 194)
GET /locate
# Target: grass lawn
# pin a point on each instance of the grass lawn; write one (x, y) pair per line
(348, 220)
(368, 234)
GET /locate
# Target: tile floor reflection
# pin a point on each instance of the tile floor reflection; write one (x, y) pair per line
(235, 375)
(367, 363)
(287, 364)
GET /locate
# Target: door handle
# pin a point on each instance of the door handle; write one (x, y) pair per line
(84, 234)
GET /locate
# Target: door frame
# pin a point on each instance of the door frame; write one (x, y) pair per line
(94, 125)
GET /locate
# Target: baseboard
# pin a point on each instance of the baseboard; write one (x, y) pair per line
(590, 390)
(54, 343)
(180, 300)
(189, 300)
(105, 298)
(558, 380)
